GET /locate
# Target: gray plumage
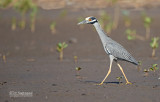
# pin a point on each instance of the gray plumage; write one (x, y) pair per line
(112, 48)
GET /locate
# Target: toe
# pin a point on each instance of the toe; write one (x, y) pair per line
(128, 83)
(99, 84)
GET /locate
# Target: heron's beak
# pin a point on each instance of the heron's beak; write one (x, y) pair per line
(83, 22)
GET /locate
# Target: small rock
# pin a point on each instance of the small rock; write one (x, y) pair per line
(54, 84)
(17, 48)
(73, 40)
(155, 86)
(30, 60)
(83, 94)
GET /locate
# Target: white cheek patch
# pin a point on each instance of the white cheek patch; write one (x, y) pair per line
(87, 18)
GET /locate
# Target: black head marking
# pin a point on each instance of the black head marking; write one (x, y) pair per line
(91, 20)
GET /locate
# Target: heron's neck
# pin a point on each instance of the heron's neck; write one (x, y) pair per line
(101, 33)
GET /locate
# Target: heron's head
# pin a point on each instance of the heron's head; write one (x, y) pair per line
(88, 20)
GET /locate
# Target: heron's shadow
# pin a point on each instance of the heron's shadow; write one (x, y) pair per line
(95, 82)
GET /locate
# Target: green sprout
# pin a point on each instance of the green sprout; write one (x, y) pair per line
(106, 22)
(60, 48)
(104, 19)
(112, 1)
(105, 16)
(13, 26)
(4, 58)
(5, 3)
(22, 24)
(24, 6)
(139, 65)
(127, 20)
(63, 13)
(77, 72)
(131, 34)
(78, 68)
(154, 45)
(154, 67)
(53, 27)
(119, 79)
(33, 17)
(75, 59)
(147, 23)
(146, 72)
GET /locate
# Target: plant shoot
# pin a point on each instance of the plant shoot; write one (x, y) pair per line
(154, 45)
(154, 67)
(60, 48)
(53, 27)
(147, 23)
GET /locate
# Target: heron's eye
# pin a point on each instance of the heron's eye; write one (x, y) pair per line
(90, 19)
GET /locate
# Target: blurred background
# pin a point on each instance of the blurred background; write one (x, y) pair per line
(35, 27)
(40, 41)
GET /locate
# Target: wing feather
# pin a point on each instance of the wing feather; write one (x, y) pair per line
(119, 52)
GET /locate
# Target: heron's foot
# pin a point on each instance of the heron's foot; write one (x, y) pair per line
(128, 83)
(99, 83)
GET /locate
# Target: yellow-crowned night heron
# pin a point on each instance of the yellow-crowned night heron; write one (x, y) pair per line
(112, 48)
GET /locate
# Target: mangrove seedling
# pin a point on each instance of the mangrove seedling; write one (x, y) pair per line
(60, 48)
(139, 65)
(119, 79)
(13, 26)
(146, 72)
(154, 45)
(53, 27)
(33, 17)
(23, 6)
(147, 23)
(104, 19)
(4, 58)
(154, 67)
(5, 3)
(75, 59)
(131, 34)
(32, 25)
(77, 73)
(78, 68)
(127, 20)
(63, 13)
(106, 22)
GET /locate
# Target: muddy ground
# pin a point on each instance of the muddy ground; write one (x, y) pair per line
(32, 63)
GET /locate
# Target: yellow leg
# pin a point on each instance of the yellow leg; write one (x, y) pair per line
(127, 82)
(109, 71)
